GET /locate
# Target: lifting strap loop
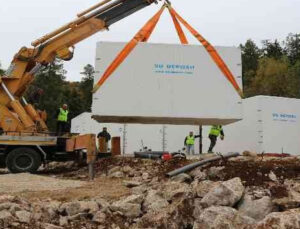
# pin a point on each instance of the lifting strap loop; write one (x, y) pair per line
(212, 52)
(178, 28)
(143, 34)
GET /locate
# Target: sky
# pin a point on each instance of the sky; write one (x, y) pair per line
(222, 22)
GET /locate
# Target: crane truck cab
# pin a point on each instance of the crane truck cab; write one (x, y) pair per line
(19, 153)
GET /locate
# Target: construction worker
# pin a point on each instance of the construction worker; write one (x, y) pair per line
(62, 119)
(104, 134)
(189, 143)
(214, 133)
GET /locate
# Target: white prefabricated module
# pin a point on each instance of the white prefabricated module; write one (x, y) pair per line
(270, 125)
(167, 84)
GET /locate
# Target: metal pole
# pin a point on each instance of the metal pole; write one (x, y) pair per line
(7, 92)
(200, 140)
(164, 139)
(91, 170)
(35, 69)
(93, 8)
(24, 101)
(124, 138)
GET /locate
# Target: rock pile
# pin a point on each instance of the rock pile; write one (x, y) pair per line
(183, 202)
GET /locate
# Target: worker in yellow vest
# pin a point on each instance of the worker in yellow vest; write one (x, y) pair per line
(62, 120)
(214, 133)
(189, 143)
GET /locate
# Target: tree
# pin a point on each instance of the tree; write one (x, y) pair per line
(1, 70)
(274, 77)
(52, 80)
(292, 47)
(272, 49)
(86, 86)
(250, 56)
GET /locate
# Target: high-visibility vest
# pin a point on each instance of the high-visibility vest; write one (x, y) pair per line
(63, 115)
(215, 130)
(190, 140)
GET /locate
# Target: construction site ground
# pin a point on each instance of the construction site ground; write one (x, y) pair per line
(67, 182)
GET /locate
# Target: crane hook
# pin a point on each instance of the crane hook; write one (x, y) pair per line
(168, 2)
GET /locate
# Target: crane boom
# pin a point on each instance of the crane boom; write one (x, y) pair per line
(58, 44)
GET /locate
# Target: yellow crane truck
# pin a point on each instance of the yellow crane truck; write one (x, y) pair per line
(25, 142)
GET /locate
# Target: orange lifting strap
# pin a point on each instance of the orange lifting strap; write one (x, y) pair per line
(178, 28)
(144, 34)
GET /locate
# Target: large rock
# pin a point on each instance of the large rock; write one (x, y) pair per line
(292, 198)
(102, 203)
(256, 208)
(134, 199)
(12, 207)
(140, 190)
(6, 198)
(127, 169)
(130, 207)
(222, 218)
(175, 190)
(198, 209)
(177, 215)
(71, 208)
(154, 202)
(201, 188)
(50, 209)
(215, 172)
(114, 169)
(74, 208)
(197, 174)
(63, 221)
(23, 216)
(5, 216)
(127, 209)
(99, 217)
(118, 174)
(281, 220)
(88, 206)
(227, 193)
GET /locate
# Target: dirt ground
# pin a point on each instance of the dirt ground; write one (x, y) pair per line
(256, 172)
(24, 182)
(101, 188)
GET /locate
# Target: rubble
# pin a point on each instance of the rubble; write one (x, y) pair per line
(220, 195)
(219, 217)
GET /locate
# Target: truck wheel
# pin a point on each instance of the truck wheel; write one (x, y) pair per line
(22, 160)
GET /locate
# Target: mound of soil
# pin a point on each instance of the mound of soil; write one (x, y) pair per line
(256, 173)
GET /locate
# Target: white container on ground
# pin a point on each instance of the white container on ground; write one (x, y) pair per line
(136, 136)
(167, 84)
(270, 125)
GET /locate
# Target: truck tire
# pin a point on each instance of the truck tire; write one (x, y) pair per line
(22, 160)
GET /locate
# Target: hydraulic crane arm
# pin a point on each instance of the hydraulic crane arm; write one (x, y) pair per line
(57, 44)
